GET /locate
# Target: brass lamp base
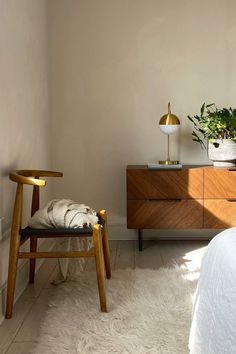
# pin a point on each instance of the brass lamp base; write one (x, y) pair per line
(168, 162)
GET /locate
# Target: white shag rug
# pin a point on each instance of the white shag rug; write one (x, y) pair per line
(149, 313)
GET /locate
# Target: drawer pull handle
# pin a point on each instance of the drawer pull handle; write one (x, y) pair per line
(166, 200)
(231, 200)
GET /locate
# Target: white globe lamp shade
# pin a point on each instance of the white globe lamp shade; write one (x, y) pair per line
(169, 129)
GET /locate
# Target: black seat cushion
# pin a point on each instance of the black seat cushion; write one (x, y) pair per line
(28, 231)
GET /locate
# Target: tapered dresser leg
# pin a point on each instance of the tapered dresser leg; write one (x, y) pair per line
(140, 240)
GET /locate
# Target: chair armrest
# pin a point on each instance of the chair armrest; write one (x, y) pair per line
(27, 176)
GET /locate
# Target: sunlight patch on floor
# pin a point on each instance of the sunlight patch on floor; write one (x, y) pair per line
(193, 259)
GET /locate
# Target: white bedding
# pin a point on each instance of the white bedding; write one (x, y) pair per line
(213, 329)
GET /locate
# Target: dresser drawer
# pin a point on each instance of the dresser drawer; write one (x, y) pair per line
(165, 214)
(165, 184)
(219, 183)
(219, 213)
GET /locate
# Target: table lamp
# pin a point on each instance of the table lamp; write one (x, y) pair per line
(169, 124)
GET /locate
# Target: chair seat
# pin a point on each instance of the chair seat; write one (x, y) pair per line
(58, 232)
(28, 231)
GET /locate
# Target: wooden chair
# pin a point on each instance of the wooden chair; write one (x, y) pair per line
(19, 236)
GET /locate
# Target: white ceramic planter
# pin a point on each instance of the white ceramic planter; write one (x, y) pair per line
(222, 152)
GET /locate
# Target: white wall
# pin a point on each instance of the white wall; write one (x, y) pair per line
(24, 120)
(114, 65)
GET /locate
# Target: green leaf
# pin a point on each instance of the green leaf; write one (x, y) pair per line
(202, 109)
(191, 119)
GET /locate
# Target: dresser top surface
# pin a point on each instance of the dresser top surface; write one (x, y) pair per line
(185, 167)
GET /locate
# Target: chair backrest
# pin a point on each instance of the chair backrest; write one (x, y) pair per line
(30, 177)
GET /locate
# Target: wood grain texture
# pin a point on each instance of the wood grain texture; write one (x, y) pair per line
(99, 260)
(72, 254)
(192, 185)
(28, 176)
(14, 249)
(165, 184)
(219, 213)
(219, 183)
(33, 240)
(105, 244)
(165, 214)
(100, 239)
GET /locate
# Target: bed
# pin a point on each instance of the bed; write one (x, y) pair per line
(213, 329)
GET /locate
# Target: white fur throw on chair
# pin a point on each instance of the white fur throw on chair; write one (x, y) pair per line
(65, 213)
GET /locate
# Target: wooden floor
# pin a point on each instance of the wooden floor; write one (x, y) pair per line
(18, 334)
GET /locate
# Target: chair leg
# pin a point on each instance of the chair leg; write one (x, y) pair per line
(12, 270)
(33, 248)
(97, 241)
(14, 249)
(105, 245)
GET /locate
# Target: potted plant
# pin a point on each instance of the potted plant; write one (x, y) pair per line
(218, 128)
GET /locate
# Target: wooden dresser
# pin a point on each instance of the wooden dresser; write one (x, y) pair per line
(194, 197)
